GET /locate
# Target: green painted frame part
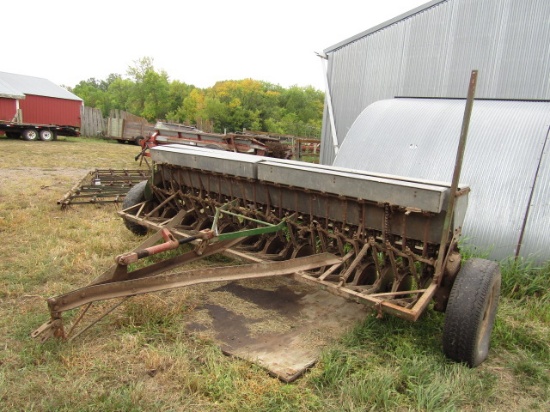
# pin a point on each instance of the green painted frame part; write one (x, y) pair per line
(267, 227)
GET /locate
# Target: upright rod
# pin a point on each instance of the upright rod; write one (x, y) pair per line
(458, 168)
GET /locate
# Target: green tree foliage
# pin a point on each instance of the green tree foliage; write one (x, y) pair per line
(301, 108)
(93, 95)
(149, 97)
(178, 92)
(119, 92)
(100, 93)
(231, 105)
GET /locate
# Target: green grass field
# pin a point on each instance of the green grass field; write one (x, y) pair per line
(140, 358)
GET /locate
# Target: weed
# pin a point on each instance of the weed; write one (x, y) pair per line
(522, 279)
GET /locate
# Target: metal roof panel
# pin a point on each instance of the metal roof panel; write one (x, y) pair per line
(17, 85)
(8, 91)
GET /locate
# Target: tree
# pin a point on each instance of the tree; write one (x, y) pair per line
(149, 97)
(247, 104)
(91, 92)
(191, 109)
(119, 92)
(231, 105)
(178, 92)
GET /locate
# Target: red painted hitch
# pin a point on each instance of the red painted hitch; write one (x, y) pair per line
(170, 243)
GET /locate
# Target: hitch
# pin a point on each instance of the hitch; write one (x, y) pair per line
(170, 243)
(119, 282)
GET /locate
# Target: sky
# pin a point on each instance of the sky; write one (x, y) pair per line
(196, 42)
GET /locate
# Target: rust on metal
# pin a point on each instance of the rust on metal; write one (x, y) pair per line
(377, 262)
(257, 143)
(443, 248)
(120, 282)
(393, 247)
(102, 186)
(170, 243)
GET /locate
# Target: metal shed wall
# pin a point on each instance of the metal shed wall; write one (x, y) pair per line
(48, 110)
(506, 162)
(8, 109)
(430, 52)
(40, 101)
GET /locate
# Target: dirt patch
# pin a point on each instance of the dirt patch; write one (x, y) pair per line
(39, 172)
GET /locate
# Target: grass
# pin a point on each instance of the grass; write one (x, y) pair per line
(140, 357)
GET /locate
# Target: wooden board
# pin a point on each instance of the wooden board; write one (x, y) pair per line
(278, 323)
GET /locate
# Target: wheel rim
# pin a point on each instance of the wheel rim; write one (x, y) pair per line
(30, 134)
(487, 321)
(46, 135)
(365, 274)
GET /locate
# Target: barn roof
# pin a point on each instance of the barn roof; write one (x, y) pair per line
(505, 163)
(383, 25)
(6, 90)
(17, 86)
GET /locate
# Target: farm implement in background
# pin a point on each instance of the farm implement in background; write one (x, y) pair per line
(260, 144)
(103, 186)
(387, 242)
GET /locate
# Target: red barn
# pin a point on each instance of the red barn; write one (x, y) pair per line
(35, 107)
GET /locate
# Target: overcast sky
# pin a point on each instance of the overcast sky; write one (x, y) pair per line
(197, 42)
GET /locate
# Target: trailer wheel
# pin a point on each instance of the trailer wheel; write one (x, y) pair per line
(46, 135)
(471, 312)
(134, 196)
(29, 134)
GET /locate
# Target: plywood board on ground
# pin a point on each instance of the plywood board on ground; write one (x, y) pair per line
(278, 323)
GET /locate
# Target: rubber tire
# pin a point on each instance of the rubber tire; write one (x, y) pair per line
(46, 135)
(137, 140)
(134, 196)
(29, 135)
(471, 312)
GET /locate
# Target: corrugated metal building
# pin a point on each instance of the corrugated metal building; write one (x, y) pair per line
(506, 162)
(40, 101)
(429, 53)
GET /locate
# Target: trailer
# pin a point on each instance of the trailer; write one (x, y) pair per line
(33, 108)
(125, 127)
(37, 131)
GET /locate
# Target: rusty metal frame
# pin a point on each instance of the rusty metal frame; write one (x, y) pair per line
(120, 282)
(344, 235)
(102, 186)
(408, 304)
(390, 237)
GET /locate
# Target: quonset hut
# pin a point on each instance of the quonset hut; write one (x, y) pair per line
(395, 102)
